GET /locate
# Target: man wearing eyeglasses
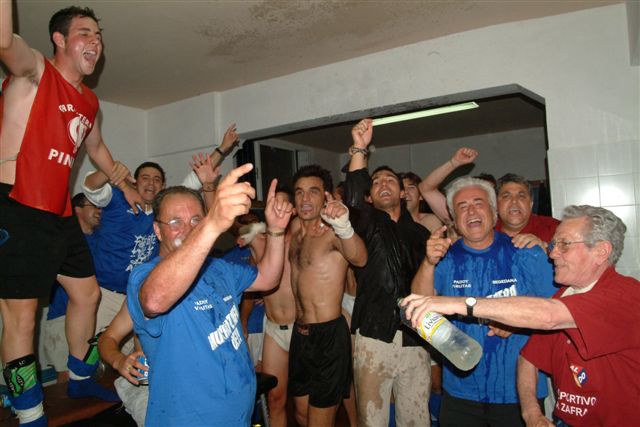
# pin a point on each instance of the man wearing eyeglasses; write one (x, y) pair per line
(184, 306)
(593, 353)
(483, 263)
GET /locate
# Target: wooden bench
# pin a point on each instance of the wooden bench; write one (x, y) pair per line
(61, 409)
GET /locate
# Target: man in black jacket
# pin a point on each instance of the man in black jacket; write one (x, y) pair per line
(386, 357)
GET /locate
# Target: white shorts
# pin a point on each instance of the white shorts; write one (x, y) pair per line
(281, 334)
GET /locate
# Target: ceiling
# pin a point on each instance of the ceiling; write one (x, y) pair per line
(158, 52)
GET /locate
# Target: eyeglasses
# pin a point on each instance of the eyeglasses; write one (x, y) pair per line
(562, 245)
(177, 224)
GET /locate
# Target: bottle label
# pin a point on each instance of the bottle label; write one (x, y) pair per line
(429, 325)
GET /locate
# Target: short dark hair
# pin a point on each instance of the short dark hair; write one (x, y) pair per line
(178, 189)
(487, 177)
(149, 165)
(79, 200)
(315, 171)
(61, 20)
(412, 177)
(512, 177)
(388, 169)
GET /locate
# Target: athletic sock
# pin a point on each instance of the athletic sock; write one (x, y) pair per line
(25, 391)
(435, 401)
(81, 384)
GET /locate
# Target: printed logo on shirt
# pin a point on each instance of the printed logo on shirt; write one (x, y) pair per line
(574, 404)
(202, 305)
(461, 284)
(142, 249)
(504, 281)
(579, 374)
(511, 291)
(227, 330)
(78, 127)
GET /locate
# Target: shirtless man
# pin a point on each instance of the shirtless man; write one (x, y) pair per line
(280, 309)
(46, 113)
(320, 363)
(412, 197)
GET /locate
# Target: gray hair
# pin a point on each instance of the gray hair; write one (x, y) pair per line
(467, 181)
(513, 178)
(603, 226)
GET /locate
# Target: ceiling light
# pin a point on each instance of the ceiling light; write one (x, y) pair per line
(424, 113)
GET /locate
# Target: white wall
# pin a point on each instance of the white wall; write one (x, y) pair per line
(584, 75)
(520, 151)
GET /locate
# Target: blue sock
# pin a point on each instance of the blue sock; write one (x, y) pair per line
(435, 400)
(25, 391)
(86, 387)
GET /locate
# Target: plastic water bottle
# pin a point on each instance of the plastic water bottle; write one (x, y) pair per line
(461, 350)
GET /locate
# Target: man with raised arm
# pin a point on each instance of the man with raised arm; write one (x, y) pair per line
(483, 263)
(184, 306)
(386, 356)
(322, 248)
(46, 114)
(592, 346)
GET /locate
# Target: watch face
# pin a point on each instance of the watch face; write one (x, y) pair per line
(470, 301)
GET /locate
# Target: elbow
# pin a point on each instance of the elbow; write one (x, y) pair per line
(151, 306)
(361, 261)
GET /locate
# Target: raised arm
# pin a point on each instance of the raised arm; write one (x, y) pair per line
(349, 243)
(362, 133)
(229, 141)
(437, 246)
(15, 53)
(429, 185)
(175, 274)
(277, 213)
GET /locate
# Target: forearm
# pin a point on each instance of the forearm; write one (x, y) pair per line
(527, 383)
(422, 283)
(175, 274)
(101, 156)
(6, 24)
(110, 352)
(271, 265)
(354, 250)
(429, 189)
(96, 180)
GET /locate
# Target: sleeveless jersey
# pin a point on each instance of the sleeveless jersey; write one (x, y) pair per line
(60, 119)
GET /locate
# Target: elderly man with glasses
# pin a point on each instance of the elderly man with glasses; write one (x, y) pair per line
(594, 352)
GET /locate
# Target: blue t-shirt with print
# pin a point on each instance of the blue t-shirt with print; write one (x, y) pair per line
(200, 372)
(123, 241)
(499, 271)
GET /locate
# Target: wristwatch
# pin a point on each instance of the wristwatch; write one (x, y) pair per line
(470, 302)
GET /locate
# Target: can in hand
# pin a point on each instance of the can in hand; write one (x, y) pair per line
(145, 379)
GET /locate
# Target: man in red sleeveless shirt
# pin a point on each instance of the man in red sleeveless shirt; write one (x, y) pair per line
(46, 113)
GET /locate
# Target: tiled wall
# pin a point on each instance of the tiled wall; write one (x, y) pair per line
(606, 175)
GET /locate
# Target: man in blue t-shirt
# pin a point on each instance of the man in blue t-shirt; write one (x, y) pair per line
(184, 306)
(484, 263)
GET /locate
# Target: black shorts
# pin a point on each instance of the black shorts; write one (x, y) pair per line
(36, 246)
(320, 362)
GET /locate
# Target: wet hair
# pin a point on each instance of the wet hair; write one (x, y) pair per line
(178, 189)
(388, 169)
(465, 182)
(602, 226)
(149, 165)
(512, 177)
(412, 177)
(489, 178)
(79, 200)
(61, 20)
(315, 171)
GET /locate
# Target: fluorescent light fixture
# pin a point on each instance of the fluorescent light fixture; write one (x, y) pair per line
(424, 113)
